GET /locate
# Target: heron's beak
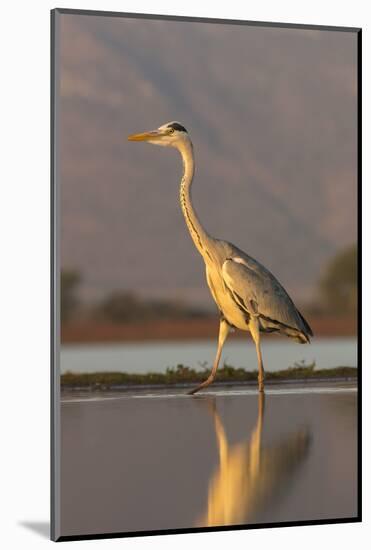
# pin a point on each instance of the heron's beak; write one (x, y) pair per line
(146, 136)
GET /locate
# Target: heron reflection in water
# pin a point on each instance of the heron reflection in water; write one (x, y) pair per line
(250, 475)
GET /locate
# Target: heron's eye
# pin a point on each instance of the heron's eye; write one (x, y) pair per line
(171, 130)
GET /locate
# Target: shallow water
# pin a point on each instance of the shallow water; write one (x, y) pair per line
(168, 461)
(143, 357)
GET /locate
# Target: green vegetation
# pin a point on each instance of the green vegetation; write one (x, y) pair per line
(123, 307)
(338, 287)
(70, 281)
(184, 375)
(119, 306)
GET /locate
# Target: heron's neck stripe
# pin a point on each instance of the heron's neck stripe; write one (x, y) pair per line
(184, 199)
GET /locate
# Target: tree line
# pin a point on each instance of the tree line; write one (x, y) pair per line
(120, 306)
(336, 294)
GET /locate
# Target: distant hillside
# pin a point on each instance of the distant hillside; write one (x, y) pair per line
(272, 114)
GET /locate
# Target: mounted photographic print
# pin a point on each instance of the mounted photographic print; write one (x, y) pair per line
(205, 292)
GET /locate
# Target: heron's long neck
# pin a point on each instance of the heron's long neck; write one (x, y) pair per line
(198, 233)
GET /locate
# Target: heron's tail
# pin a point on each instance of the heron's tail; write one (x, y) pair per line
(301, 333)
(308, 331)
(299, 336)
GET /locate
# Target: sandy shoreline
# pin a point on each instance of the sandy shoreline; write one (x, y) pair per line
(178, 329)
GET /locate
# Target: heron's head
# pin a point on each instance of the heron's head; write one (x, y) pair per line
(171, 134)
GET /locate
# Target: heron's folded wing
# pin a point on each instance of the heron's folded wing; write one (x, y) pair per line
(256, 290)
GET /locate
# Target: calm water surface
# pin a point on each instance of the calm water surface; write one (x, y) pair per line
(149, 462)
(157, 356)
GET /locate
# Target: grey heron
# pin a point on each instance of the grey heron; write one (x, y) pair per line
(247, 295)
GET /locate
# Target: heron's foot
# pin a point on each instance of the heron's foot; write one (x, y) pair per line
(195, 390)
(203, 385)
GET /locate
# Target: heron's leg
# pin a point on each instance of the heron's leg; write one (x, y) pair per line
(223, 333)
(254, 329)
